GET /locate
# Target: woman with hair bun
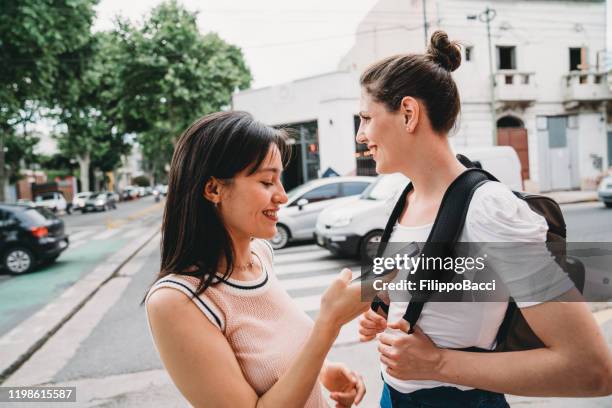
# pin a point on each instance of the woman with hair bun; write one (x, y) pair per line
(409, 104)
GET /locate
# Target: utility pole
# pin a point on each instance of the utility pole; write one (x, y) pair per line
(425, 24)
(486, 17)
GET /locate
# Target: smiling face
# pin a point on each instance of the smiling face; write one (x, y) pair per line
(384, 133)
(249, 203)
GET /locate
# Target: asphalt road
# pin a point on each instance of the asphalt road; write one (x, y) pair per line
(93, 237)
(118, 348)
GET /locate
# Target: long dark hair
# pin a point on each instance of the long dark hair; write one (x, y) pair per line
(218, 145)
(423, 76)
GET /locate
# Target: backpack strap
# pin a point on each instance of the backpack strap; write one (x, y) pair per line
(446, 231)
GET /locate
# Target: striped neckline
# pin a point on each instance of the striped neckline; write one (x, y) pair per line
(260, 281)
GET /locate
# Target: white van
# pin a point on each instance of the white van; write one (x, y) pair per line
(350, 229)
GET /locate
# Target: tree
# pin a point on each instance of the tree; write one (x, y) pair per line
(34, 35)
(87, 97)
(173, 74)
(19, 152)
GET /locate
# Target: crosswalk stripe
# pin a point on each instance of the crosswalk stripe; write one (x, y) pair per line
(82, 234)
(314, 267)
(297, 249)
(317, 281)
(281, 259)
(106, 234)
(305, 273)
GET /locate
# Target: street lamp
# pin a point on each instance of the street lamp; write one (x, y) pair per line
(486, 17)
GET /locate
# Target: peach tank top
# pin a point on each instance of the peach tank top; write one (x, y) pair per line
(261, 323)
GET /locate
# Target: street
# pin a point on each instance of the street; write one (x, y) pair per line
(93, 237)
(105, 349)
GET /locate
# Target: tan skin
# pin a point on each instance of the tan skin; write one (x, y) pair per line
(210, 376)
(575, 361)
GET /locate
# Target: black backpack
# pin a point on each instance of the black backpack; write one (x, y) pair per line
(514, 333)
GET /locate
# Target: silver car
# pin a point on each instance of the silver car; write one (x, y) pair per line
(605, 191)
(298, 217)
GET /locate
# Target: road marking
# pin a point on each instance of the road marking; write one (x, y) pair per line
(55, 354)
(106, 234)
(315, 267)
(137, 262)
(292, 258)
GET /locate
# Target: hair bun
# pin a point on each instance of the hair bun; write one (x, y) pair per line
(443, 52)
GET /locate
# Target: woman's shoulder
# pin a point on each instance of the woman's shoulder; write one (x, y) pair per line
(497, 214)
(178, 292)
(263, 249)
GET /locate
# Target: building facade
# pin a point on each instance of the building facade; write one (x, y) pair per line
(550, 95)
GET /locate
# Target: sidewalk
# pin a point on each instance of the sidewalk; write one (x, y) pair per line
(154, 388)
(570, 197)
(19, 344)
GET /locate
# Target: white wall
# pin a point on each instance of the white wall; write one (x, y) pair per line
(330, 97)
(337, 134)
(592, 141)
(541, 31)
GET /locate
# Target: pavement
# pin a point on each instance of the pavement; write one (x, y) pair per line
(153, 388)
(22, 341)
(571, 197)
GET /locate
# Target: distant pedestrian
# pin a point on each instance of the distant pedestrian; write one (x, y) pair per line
(227, 332)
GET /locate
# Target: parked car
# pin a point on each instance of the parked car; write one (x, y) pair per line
(99, 201)
(604, 192)
(297, 218)
(129, 193)
(353, 230)
(28, 237)
(78, 202)
(54, 201)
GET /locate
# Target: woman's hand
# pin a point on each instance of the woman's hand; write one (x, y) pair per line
(370, 324)
(342, 301)
(409, 356)
(346, 387)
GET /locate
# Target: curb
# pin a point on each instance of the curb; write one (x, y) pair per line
(578, 201)
(21, 342)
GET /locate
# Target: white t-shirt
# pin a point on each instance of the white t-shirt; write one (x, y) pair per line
(495, 215)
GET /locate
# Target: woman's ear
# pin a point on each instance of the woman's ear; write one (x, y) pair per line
(410, 108)
(212, 190)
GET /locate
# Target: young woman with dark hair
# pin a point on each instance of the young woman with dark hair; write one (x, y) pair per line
(409, 104)
(226, 331)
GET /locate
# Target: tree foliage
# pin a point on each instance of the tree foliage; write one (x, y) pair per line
(34, 35)
(87, 97)
(174, 74)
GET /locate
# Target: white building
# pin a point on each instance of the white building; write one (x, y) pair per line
(552, 97)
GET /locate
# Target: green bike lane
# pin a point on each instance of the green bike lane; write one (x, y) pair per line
(22, 296)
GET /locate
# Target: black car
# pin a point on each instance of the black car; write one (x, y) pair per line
(28, 237)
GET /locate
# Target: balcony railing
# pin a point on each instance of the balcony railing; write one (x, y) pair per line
(515, 86)
(585, 86)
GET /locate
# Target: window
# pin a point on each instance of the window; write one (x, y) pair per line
(469, 53)
(353, 188)
(322, 193)
(506, 57)
(577, 57)
(557, 132)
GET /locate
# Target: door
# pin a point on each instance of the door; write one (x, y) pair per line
(559, 154)
(306, 217)
(609, 149)
(517, 139)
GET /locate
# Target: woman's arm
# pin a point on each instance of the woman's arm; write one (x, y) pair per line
(204, 368)
(575, 362)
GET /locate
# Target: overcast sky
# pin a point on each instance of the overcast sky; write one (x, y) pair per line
(282, 40)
